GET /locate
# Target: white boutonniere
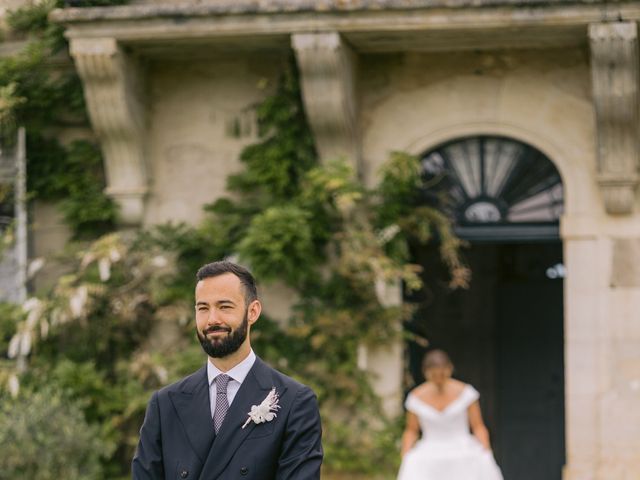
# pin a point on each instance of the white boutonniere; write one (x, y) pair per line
(266, 411)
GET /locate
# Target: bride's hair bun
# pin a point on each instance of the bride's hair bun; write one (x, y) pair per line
(436, 358)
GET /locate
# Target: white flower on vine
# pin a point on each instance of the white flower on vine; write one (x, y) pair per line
(78, 300)
(388, 233)
(266, 411)
(35, 266)
(159, 261)
(104, 268)
(14, 385)
(114, 255)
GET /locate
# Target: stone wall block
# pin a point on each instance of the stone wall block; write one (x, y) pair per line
(112, 86)
(614, 71)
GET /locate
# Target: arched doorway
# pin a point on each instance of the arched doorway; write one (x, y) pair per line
(505, 333)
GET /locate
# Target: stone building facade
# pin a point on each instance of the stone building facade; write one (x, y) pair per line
(169, 86)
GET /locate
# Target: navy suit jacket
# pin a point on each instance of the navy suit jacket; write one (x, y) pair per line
(177, 439)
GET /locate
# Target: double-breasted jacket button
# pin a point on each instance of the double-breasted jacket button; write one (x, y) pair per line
(184, 473)
(244, 471)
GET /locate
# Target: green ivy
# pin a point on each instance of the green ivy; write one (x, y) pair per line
(312, 226)
(72, 176)
(317, 229)
(45, 99)
(275, 166)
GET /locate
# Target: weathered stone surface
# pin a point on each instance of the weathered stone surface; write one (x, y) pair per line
(428, 72)
(328, 73)
(615, 76)
(114, 93)
(144, 9)
(190, 145)
(625, 265)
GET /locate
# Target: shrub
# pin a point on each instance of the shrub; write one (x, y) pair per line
(43, 436)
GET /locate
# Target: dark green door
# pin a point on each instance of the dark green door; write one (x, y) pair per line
(529, 363)
(505, 336)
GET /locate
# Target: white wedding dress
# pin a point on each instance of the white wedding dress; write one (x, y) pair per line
(447, 450)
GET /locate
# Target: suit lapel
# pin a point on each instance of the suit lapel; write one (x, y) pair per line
(253, 391)
(193, 407)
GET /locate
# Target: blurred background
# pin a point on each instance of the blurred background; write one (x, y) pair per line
(398, 175)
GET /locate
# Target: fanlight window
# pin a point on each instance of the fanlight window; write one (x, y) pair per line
(495, 188)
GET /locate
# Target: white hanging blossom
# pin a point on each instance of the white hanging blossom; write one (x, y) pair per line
(161, 373)
(20, 344)
(30, 304)
(44, 329)
(78, 300)
(14, 346)
(87, 259)
(388, 233)
(14, 385)
(25, 343)
(34, 308)
(114, 255)
(104, 268)
(159, 261)
(35, 266)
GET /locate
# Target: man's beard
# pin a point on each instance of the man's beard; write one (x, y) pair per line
(222, 347)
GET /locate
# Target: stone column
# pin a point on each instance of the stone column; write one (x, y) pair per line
(585, 373)
(614, 69)
(328, 69)
(385, 363)
(620, 402)
(113, 90)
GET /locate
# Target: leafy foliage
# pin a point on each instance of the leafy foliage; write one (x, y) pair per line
(318, 230)
(44, 436)
(277, 242)
(313, 227)
(276, 165)
(73, 176)
(39, 96)
(86, 339)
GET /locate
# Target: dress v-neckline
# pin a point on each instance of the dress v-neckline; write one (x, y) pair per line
(449, 405)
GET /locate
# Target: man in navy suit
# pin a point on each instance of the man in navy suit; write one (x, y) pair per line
(201, 427)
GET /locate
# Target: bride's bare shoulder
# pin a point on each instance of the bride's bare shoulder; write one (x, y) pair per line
(458, 385)
(422, 389)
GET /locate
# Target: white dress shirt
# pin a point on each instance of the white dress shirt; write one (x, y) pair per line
(237, 374)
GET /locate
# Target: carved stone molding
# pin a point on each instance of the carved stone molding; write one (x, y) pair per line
(327, 66)
(112, 87)
(614, 70)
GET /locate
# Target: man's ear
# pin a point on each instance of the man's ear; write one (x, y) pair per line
(253, 311)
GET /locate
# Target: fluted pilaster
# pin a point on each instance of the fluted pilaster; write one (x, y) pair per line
(614, 69)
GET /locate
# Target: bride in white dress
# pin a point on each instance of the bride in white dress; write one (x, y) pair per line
(445, 410)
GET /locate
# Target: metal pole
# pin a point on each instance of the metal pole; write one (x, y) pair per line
(21, 216)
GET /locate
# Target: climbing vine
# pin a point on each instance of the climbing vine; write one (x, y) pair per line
(45, 98)
(120, 323)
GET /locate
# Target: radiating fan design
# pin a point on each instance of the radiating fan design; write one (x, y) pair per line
(495, 187)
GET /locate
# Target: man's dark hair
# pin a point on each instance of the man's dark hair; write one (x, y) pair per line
(215, 269)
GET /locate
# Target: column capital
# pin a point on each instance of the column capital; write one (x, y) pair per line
(328, 69)
(614, 72)
(112, 81)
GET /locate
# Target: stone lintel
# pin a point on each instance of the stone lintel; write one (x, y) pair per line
(112, 87)
(327, 71)
(374, 26)
(273, 7)
(614, 70)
